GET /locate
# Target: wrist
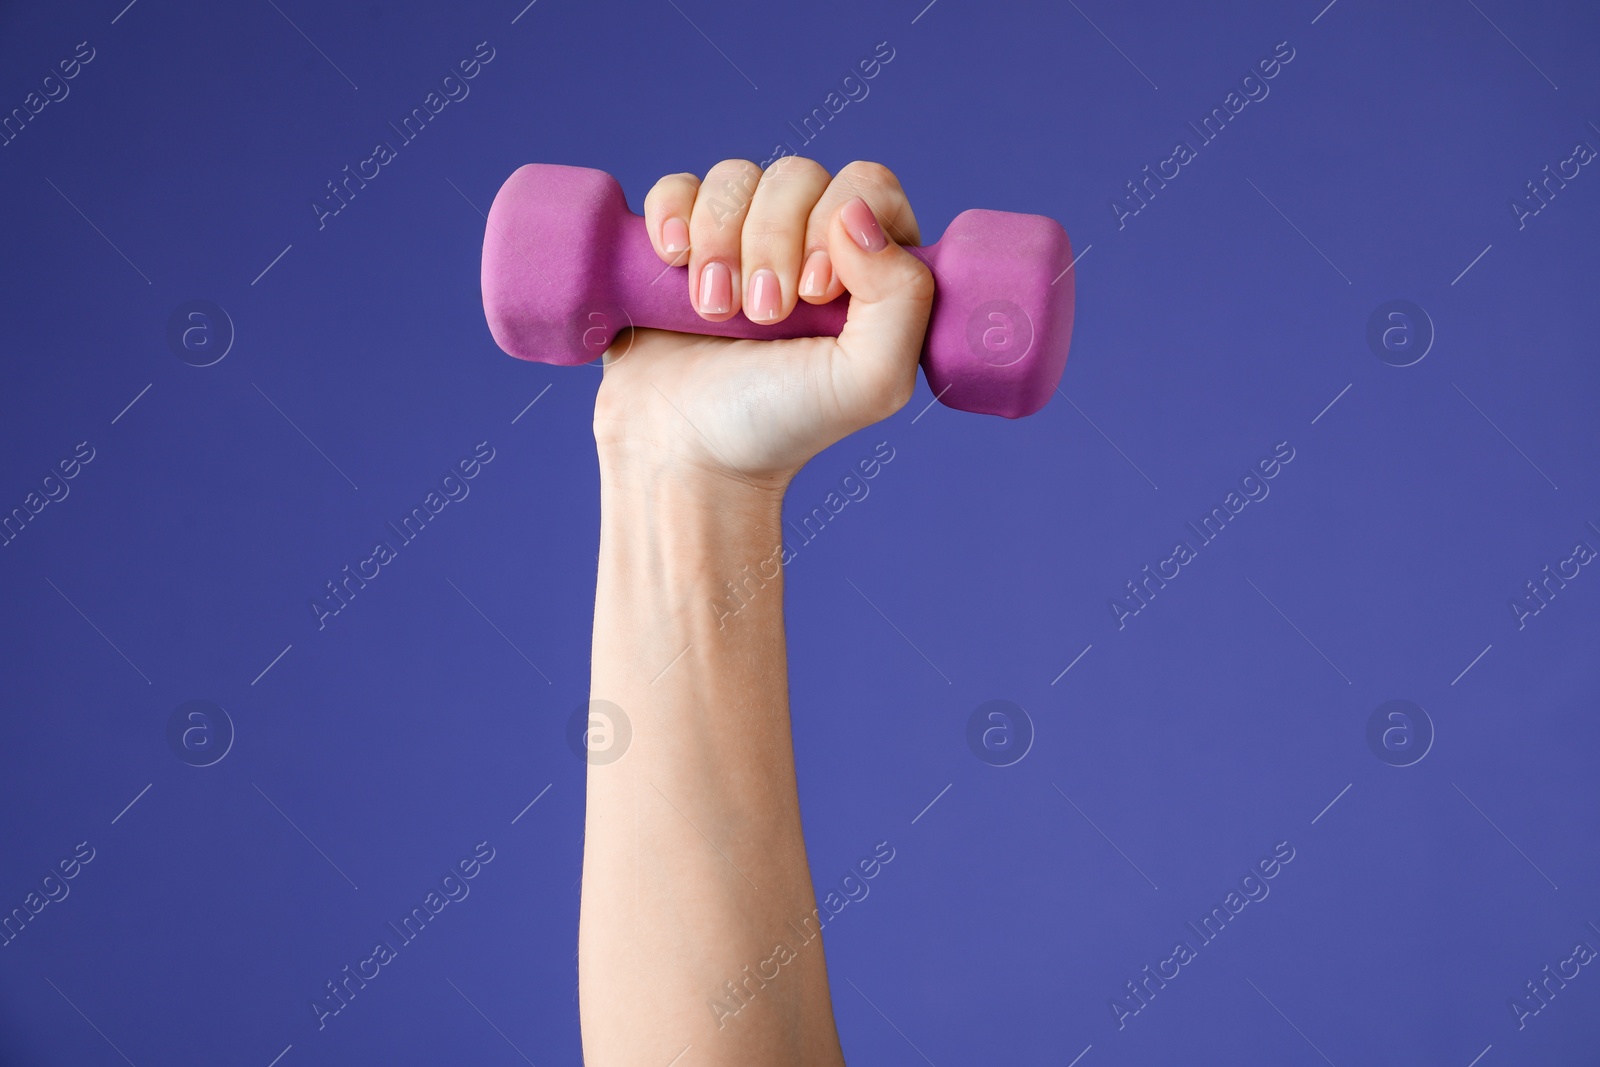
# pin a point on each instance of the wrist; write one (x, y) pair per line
(634, 470)
(684, 551)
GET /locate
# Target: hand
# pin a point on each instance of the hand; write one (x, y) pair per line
(756, 411)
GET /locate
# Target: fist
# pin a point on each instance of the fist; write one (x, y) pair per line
(761, 241)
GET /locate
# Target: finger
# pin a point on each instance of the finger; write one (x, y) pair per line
(878, 186)
(891, 294)
(720, 207)
(773, 238)
(666, 215)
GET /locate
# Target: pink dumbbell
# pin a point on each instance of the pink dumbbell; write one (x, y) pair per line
(566, 266)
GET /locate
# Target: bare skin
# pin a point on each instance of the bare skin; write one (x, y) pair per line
(694, 868)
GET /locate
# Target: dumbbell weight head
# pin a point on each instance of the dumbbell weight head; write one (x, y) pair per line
(566, 265)
(1002, 312)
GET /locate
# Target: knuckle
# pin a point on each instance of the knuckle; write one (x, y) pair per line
(816, 231)
(872, 175)
(918, 283)
(676, 182)
(736, 172)
(715, 219)
(669, 184)
(767, 233)
(728, 190)
(797, 169)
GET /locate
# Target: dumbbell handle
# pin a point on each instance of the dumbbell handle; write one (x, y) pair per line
(560, 238)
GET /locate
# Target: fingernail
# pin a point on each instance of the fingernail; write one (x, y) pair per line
(863, 225)
(817, 275)
(716, 288)
(766, 299)
(674, 235)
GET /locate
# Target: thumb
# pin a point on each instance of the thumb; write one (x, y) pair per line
(891, 291)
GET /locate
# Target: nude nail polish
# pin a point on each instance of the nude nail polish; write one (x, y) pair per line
(716, 288)
(766, 298)
(862, 225)
(674, 235)
(817, 274)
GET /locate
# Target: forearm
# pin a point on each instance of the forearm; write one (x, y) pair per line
(695, 873)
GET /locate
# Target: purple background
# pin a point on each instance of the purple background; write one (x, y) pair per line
(1224, 318)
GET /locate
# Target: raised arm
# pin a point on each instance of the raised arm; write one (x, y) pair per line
(698, 928)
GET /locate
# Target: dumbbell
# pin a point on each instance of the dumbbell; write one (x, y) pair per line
(566, 266)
